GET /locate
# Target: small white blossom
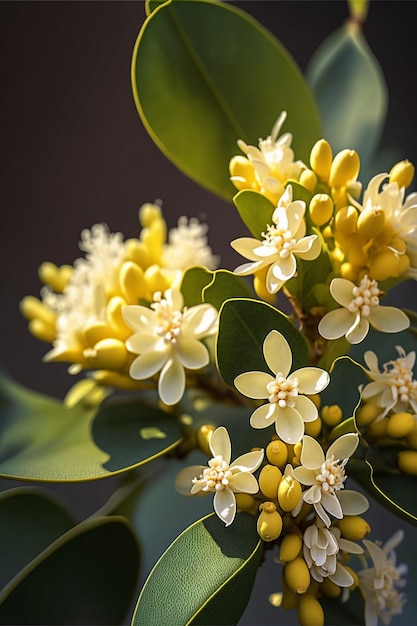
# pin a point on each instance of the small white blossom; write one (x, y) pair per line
(221, 477)
(393, 388)
(381, 583)
(325, 476)
(360, 310)
(168, 339)
(288, 407)
(187, 246)
(282, 242)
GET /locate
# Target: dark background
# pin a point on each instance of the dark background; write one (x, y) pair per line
(73, 152)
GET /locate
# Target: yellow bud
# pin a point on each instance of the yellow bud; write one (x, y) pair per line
(331, 415)
(377, 429)
(321, 159)
(384, 264)
(107, 354)
(246, 502)
(400, 425)
(269, 479)
(310, 611)
(155, 279)
(154, 236)
(204, 434)
(289, 597)
(340, 197)
(407, 462)
(386, 236)
(345, 221)
(297, 453)
(354, 527)
(32, 308)
(344, 168)
(321, 209)
(277, 453)
(137, 252)
(116, 379)
(259, 285)
(403, 264)
(309, 180)
(95, 331)
(132, 282)
(289, 493)
(42, 331)
(350, 272)
(297, 575)
(269, 524)
(355, 250)
(371, 222)
(330, 589)
(115, 317)
(412, 437)
(367, 413)
(148, 213)
(54, 276)
(290, 547)
(313, 428)
(242, 173)
(402, 173)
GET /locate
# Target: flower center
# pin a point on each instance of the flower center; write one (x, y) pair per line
(280, 239)
(401, 378)
(216, 476)
(332, 475)
(365, 296)
(168, 320)
(283, 390)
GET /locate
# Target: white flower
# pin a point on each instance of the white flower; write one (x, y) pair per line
(360, 310)
(325, 477)
(393, 389)
(187, 246)
(168, 339)
(288, 407)
(273, 161)
(282, 243)
(321, 547)
(221, 477)
(380, 584)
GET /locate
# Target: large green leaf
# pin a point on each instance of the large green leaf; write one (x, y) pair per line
(205, 74)
(226, 285)
(193, 282)
(243, 326)
(205, 576)
(350, 90)
(30, 520)
(43, 439)
(345, 613)
(87, 576)
(255, 210)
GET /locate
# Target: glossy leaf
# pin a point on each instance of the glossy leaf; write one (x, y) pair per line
(193, 283)
(87, 576)
(348, 613)
(243, 326)
(209, 564)
(255, 211)
(197, 98)
(30, 520)
(226, 285)
(350, 90)
(43, 439)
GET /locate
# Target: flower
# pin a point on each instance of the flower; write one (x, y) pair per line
(168, 339)
(321, 547)
(380, 584)
(187, 246)
(282, 243)
(287, 405)
(325, 475)
(393, 389)
(360, 310)
(221, 477)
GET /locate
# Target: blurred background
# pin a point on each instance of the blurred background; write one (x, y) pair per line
(73, 152)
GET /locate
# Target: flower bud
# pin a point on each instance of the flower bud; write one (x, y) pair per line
(355, 250)
(115, 317)
(345, 221)
(108, 354)
(204, 434)
(289, 597)
(56, 277)
(242, 173)
(32, 308)
(148, 213)
(344, 168)
(412, 437)
(276, 453)
(309, 180)
(367, 413)
(42, 331)
(290, 547)
(155, 279)
(354, 527)
(259, 285)
(377, 429)
(330, 589)
(269, 479)
(297, 575)
(116, 379)
(289, 493)
(402, 173)
(297, 453)
(313, 428)
(407, 462)
(136, 252)
(371, 222)
(154, 237)
(400, 425)
(350, 272)
(331, 415)
(321, 159)
(269, 524)
(132, 282)
(384, 265)
(310, 611)
(321, 209)
(246, 502)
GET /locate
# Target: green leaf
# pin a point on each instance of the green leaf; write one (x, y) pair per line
(345, 613)
(350, 90)
(43, 439)
(30, 520)
(200, 69)
(345, 377)
(87, 576)
(243, 326)
(193, 282)
(226, 285)
(255, 210)
(205, 566)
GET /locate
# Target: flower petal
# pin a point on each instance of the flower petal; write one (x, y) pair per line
(388, 319)
(311, 379)
(192, 354)
(248, 268)
(312, 455)
(341, 577)
(143, 342)
(184, 478)
(171, 383)
(263, 416)
(220, 444)
(140, 318)
(245, 247)
(148, 364)
(304, 475)
(284, 269)
(336, 323)
(308, 248)
(306, 408)
(224, 503)
(272, 283)
(277, 353)
(248, 462)
(342, 291)
(253, 384)
(352, 502)
(244, 482)
(358, 331)
(289, 425)
(199, 320)
(343, 447)
(331, 504)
